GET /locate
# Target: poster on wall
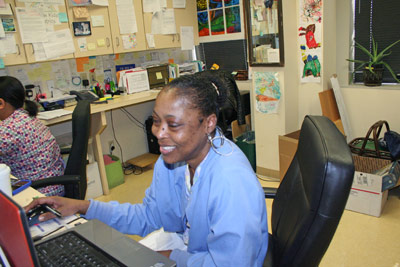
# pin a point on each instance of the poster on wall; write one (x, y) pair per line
(267, 91)
(310, 39)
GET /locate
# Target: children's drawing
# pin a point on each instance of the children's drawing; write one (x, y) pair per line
(312, 10)
(267, 91)
(310, 37)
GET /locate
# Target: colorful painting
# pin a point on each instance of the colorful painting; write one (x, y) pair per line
(8, 25)
(312, 11)
(231, 2)
(201, 5)
(232, 16)
(217, 22)
(267, 91)
(202, 20)
(215, 4)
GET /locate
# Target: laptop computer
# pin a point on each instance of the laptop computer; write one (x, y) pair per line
(19, 249)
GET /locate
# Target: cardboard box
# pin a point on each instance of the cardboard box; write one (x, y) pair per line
(287, 148)
(366, 194)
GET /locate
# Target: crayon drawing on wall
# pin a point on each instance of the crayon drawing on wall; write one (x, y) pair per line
(267, 91)
(310, 35)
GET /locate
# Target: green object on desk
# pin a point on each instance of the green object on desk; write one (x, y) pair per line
(115, 175)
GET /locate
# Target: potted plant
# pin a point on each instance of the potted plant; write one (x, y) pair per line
(373, 68)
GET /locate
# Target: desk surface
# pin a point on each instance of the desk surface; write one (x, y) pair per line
(117, 102)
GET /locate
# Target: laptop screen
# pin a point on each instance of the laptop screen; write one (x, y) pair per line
(15, 238)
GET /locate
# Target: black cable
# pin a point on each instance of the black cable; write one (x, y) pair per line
(136, 121)
(113, 130)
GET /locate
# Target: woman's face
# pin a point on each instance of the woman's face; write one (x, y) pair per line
(181, 130)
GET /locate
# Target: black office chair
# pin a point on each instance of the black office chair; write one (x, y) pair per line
(311, 198)
(233, 108)
(74, 178)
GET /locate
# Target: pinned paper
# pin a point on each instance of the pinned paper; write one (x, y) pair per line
(187, 38)
(62, 17)
(80, 62)
(129, 41)
(150, 40)
(91, 46)
(159, 75)
(8, 25)
(6, 10)
(80, 12)
(82, 44)
(101, 42)
(97, 21)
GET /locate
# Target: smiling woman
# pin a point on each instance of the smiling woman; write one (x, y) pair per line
(204, 193)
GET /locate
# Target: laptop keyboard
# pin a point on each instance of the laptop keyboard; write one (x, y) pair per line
(71, 249)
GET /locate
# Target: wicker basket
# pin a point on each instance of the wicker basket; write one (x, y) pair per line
(369, 146)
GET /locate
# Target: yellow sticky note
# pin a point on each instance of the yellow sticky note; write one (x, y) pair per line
(91, 46)
(101, 42)
(159, 75)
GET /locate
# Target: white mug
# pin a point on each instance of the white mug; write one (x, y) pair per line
(5, 181)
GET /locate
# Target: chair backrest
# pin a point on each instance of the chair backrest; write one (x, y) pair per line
(312, 195)
(77, 159)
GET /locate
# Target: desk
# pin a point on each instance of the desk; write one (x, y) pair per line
(99, 123)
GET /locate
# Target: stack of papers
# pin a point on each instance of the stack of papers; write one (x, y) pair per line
(48, 115)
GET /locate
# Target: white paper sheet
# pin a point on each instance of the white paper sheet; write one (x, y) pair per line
(151, 6)
(97, 21)
(59, 2)
(126, 17)
(150, 40)
(2, 33)
(48, 115)
(187, 38)
(9, 44)
(179, 4)
(59, 44)
(168, 21)
(129, 41)
(156, 23)
(31, 25)
(82, 44)
(6, 10)
(163, 22)
(40, 55)
(100, 2)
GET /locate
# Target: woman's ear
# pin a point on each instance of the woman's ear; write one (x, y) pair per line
(2, 103)
(211, 123)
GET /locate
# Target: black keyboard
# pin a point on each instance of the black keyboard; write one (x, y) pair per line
(71, 249)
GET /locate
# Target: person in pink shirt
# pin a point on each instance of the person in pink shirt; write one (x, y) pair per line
(27, 145)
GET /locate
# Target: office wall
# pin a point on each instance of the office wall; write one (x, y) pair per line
(365, 105)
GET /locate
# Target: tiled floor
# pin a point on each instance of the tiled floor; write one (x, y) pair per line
(360, 240)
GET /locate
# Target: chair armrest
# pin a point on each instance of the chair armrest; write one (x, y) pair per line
(270, 192)
(65, 150)
(64, 179)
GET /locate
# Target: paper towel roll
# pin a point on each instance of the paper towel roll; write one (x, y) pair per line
(5, 182)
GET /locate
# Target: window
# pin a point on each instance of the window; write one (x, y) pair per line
(377, 19)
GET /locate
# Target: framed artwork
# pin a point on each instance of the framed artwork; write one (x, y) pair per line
(218, 17)
(82, 28)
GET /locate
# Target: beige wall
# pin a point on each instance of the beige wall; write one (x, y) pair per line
(365, 105)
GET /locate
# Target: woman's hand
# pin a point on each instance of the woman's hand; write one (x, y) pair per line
(166, 253)
(66, 206)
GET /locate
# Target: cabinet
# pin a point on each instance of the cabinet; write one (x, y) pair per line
(99, 41)
(18, 57)
(183, 17)
(29, 50)
(117, 38)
